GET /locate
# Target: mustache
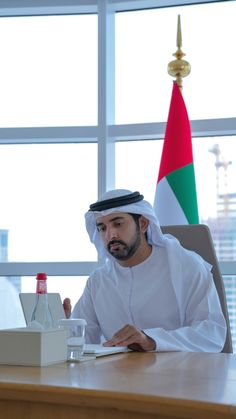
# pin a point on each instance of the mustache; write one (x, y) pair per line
(116, 242)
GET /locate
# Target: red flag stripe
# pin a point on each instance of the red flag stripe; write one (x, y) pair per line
(177, 153)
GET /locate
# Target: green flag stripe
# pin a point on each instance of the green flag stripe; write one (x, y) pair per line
(182, 183)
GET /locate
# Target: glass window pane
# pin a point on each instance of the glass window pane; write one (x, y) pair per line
(215, 167)
(48, 72)
(143, 166)
(145, 42)
(45, 191)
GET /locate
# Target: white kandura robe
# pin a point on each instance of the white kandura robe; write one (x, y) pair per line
(180, 310)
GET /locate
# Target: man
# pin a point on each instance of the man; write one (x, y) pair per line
(150, 294)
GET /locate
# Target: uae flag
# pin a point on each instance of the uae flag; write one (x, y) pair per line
(175, 198)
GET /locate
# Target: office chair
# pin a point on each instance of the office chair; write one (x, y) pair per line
(197, 237)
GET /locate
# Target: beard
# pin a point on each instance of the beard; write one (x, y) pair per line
(124, 251)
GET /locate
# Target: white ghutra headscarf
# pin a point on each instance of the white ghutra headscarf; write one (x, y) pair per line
(117, 200)
(141, 207)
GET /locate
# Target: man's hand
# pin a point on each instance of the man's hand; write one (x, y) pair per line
(67, 307)
(132, 337)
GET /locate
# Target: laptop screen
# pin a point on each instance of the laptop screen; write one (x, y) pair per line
(55, 304)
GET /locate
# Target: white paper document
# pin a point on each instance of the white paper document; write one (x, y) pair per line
(100, 350)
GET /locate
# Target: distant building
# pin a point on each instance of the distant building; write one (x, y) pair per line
(223, 230)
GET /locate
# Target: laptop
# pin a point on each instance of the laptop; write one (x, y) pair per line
(55, 304)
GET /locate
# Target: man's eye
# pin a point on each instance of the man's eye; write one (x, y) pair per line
(100, 228)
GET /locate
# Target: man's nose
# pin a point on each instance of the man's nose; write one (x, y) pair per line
(111, 234)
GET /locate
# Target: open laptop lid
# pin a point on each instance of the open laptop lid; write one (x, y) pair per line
(28, 301)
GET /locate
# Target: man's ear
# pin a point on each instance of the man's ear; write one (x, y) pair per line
(143, 223)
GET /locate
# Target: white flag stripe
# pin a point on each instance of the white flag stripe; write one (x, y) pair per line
(167, 207)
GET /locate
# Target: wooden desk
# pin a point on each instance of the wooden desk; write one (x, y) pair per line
(127, 386)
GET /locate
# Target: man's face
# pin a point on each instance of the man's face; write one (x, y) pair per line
(120, 235)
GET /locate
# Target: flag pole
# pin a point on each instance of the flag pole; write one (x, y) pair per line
(179, 68)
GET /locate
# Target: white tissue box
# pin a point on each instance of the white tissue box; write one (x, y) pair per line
(24, 346)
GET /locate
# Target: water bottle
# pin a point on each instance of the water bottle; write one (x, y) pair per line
(41, 312)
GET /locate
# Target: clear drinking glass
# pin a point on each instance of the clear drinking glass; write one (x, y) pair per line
(75, 337)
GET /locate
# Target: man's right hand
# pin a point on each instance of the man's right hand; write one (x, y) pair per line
(67, 307)
(132, 337)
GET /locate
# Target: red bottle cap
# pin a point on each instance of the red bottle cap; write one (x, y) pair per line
(41, 276)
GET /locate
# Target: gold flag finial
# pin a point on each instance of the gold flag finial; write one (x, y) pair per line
(179, 34)
(179, 68)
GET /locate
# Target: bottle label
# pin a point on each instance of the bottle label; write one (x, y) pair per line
(41, 287)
